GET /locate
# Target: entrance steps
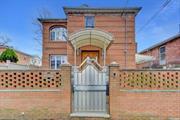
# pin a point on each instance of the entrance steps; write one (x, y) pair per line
(86, 118)
(90, 116)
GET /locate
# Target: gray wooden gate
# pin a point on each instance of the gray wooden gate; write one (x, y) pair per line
(89, 90)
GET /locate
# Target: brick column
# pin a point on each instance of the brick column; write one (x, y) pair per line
(66, 75)
(113, 89)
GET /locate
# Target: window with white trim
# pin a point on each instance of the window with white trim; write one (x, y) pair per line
(89, 21)
(162, 55)
(57, 60)
(58, 34)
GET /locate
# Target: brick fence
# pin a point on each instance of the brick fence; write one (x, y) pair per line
(151, 93)
(35, 94)
(46, 94)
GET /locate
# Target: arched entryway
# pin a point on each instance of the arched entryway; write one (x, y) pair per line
(90, 43)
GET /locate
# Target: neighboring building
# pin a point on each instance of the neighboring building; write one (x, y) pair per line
(166, 54)
(24, 58)
(143, 59)
(105, 34)
(14, 66)
(36, 60)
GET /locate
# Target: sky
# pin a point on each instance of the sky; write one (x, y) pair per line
(16, 18)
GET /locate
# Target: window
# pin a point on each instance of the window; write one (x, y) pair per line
(89, 21)
(58, 34)
(57, 60)
(162, 55)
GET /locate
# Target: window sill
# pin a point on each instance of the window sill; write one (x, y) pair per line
(89, 27)
(57, 41)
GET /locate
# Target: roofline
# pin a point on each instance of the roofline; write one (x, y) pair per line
(161, 43)
(24, 53)
(42, 20)
(17, 51)
(134, 10)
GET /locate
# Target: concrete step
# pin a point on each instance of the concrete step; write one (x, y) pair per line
(90, 116)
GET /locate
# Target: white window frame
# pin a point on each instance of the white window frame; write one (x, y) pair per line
(85, 17)
(62, 58)
(162, 62)
(60, 34)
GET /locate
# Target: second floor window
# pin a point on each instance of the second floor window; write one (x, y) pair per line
(58, 34)
(57, 60)
(162, 55)
(89, 21)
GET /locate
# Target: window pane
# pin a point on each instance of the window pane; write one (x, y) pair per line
(89, 21)
(162, 55)
(52, 62)
(52, 35)
(162, 49)
(64, 35)
(59, 33)
(57, 60)
(64, 59)
(53, 65)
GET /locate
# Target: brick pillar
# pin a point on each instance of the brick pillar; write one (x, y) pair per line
(113, 89)
(66, 75)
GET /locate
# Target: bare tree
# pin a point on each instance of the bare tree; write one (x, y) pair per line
(42, 14)
(4, 40)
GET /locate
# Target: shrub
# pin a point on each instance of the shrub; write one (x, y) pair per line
(9, 54)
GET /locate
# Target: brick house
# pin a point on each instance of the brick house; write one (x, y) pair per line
(104, 34)
(166, 54)
(99, 36)
(24, 58)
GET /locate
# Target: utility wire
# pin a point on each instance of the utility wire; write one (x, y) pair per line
(155, 15)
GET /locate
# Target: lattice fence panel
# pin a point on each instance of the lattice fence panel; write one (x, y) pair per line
(30, 79)
(149, 79)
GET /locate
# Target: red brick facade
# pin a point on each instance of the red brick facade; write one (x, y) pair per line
(172, 54)
(52, 47)
(120, 25)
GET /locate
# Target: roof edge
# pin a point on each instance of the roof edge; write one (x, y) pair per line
(101, 10)
(52, 20)
(160, 43)
(5, 46)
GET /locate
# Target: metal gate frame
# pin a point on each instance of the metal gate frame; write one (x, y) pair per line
(89, 88)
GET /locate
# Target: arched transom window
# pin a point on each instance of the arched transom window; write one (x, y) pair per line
(58, 34)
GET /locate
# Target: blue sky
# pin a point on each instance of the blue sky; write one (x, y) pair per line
(16, 18)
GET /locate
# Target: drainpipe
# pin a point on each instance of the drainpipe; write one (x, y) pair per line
(125, 42)
(75, 54)
(104, 50)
